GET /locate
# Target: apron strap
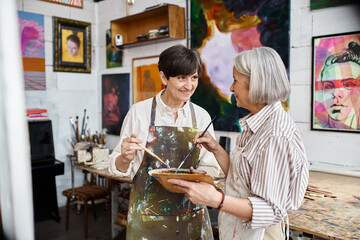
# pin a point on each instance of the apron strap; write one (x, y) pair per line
(153, 113)
(193, 115)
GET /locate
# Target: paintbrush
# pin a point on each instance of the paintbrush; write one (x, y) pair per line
(72, 125)
(83, 123)
(151, 153)
(193, 147)
(77, 128)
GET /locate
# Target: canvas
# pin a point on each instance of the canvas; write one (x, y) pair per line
(115, 101)
(146, 78)
(318, 4)
(33, 49)
(336, 82)
(222, 29)
(72, 45)
(114, 55)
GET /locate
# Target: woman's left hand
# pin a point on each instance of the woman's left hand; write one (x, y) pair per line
(200, 193)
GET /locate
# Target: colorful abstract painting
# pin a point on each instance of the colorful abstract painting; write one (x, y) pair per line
(33, 49)
(336, 82)
(71, 3)
(114, 55)
(115, 101)
(146, 78)
(318, 4)
(220, 29)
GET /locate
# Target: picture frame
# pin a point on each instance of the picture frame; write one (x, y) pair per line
(336, 82)
(115, 101)
(72, 45)
(74, 3)
(146, 78)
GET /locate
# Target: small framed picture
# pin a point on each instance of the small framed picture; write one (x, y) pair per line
(71, 3)
(72, 45)
(336, 82)
(115, 101)
(146, 78)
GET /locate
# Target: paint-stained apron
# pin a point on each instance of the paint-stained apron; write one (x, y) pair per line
(231, 227)
(154, 212)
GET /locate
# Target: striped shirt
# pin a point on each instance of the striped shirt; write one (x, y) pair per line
(273, 165)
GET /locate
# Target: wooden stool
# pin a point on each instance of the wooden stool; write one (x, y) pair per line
(85, 193)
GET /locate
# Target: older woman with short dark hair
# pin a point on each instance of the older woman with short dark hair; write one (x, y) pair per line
(267, 172)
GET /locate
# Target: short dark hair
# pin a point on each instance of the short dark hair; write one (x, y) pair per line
(179, 60)
(74, 38)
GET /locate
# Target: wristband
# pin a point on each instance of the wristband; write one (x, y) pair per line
(222, 201)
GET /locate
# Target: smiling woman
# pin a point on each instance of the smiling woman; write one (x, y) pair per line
(167, 124)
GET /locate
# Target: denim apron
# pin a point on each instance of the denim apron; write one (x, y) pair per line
(154, 212)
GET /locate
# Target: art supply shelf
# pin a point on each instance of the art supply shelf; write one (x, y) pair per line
(131, 27)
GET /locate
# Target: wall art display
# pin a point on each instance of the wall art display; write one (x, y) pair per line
(146, 78)
(72, 45)
(115, 101)
(336, 82)
(318, 4)
(71, 3)
(33, 49)
(220, 29)
(114, 55)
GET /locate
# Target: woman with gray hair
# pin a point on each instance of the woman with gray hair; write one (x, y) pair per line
(267, 173)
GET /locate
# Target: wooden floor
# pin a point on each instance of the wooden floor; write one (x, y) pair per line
(99, 229)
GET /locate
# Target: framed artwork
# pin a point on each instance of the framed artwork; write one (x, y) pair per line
(72, 45)
(146, 78)
(220, 30)
(71, 3)
(336, 82)
(318, 4)
(114, 55)
(33, 49)
(115, 101)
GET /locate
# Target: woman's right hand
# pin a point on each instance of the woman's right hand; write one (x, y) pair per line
(129, 147)
(207, 141)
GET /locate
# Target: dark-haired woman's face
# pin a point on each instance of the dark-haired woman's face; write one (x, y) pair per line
(181, 87)
(341, 90)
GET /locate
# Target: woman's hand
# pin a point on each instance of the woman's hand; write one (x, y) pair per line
(207, 141)
(128, 149)
(200, 193)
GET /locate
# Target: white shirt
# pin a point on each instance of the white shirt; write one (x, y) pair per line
(137, 122)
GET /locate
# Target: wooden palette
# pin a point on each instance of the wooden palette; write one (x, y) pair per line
(163, 174)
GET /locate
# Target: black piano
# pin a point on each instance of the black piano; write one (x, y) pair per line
(44, 170)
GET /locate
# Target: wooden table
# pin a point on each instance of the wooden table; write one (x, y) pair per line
(115, 228)
(330, 218)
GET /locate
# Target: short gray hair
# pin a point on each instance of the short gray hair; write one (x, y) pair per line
(269, 82)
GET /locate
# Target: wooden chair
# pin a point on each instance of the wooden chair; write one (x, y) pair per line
(84, 194)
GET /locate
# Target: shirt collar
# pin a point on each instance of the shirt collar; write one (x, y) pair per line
(255, 121)
(165, 108)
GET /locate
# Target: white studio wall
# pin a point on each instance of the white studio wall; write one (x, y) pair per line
(68, 94)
